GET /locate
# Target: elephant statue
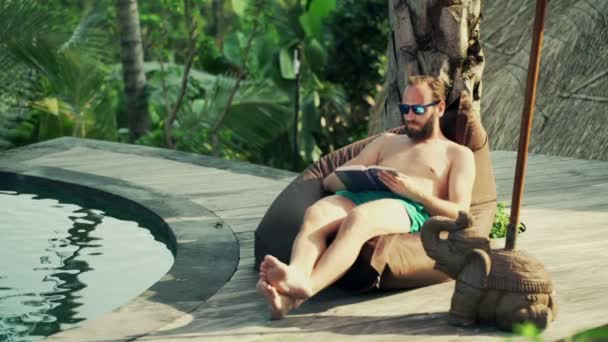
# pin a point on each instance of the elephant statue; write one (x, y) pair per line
(502, 287)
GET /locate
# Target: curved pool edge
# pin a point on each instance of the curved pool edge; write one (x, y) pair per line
(207, 253)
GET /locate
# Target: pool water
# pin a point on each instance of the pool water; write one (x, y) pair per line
(61, 264)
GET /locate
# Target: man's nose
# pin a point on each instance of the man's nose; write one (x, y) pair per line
(410, 115)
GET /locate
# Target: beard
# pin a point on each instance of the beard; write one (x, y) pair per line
(424, 132)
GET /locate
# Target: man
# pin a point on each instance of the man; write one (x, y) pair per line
(435, 178)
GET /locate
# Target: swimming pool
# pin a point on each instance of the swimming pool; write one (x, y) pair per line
(64, 260)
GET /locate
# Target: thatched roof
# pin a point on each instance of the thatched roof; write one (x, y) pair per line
(570, 117)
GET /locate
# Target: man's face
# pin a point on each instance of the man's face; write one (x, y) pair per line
(420, 127)
(422, 133)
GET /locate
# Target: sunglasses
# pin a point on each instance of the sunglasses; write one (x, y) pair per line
(418, 109)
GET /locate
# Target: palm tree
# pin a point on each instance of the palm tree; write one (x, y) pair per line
(132, 57)
(438, 38)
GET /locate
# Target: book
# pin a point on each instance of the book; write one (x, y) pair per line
(358, 178)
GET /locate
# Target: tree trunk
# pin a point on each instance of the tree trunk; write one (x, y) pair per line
(132, 57)
(218, 13)
(433, 37)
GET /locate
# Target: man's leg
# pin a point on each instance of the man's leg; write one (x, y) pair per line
(320, 221)
(380, 217)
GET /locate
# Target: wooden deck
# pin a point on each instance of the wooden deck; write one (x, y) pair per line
(565, 209)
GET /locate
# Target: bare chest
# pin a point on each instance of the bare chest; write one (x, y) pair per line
(430, 164)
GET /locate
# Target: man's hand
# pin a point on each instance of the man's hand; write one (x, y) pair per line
(402, 185)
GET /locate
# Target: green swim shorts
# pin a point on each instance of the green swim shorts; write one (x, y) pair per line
(414, 209)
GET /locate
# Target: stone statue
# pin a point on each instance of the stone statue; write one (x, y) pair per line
(502, 287)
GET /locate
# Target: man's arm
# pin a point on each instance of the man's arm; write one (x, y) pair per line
(460, 188)
(368, 156)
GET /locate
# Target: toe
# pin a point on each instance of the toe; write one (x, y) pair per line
(272, 261)
(273, 291)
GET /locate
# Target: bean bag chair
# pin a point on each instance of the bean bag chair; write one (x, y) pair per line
(396, 261)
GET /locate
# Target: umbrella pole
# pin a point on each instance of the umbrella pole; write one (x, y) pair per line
(526, 121)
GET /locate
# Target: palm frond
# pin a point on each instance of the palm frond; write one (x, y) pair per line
(89, 37)
(22, 19)
(260, 112)
(67, 74)
(38, 59)
(257, 115)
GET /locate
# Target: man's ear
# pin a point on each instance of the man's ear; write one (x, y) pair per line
(441, 108)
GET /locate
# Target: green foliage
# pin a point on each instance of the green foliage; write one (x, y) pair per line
(287, 64)
(501, 222)
(69, 81)
(528, 330)
(61, 79)
(359, 31)
(532, 333)
(257, 116)
(312, 20)
(239, 7)
(591, 335)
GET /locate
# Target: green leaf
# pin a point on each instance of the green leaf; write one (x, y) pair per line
(49, 105)
(310, 124)
(316, 56)
(263, 51)
(286, 63)
(501, 222)
(322, 8)
(239, 7)
(307, 24)
(233, 47)
(312, 21)
(259, 113)
(594, 334)
(528, 329)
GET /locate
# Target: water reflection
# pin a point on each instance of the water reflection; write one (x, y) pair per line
(61, 264)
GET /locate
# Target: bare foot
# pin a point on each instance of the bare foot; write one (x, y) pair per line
(263, 269)
(279, 304)
(285, 279)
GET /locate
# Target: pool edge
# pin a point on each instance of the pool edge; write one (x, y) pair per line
(212, 252)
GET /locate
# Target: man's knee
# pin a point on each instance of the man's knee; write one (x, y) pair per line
(326, 209)
(316, 212)
(357, 223)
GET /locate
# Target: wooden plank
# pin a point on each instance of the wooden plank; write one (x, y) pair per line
(586, 198)
(245, 236)
(261, 195)
(167, 175)
(246, 246)
(243, 219)
(508, 159)
(246, 262)
(245, 274)
(107, 163)
(569, 169)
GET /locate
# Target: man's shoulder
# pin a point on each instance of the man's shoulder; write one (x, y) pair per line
(457, 148)
(387, 135)
(460, 152)
(388, 138)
